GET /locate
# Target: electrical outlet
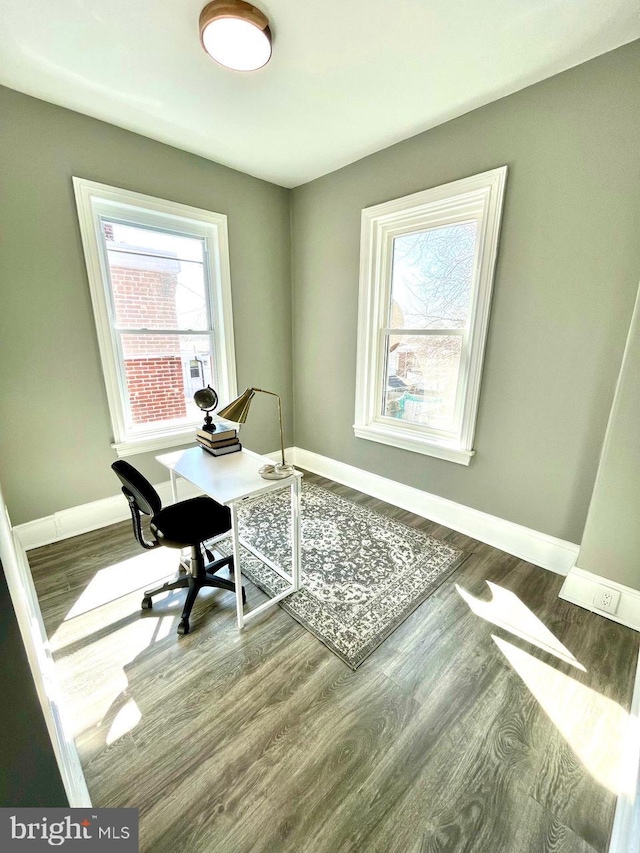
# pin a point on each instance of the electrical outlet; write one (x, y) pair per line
(607, 599)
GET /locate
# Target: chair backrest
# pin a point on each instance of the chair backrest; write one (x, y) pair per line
(146, 498)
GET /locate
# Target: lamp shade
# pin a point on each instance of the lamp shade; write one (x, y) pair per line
(235, 34)
(238, 410)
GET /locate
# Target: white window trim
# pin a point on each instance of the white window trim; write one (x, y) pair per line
(478, 198)
(94, 199)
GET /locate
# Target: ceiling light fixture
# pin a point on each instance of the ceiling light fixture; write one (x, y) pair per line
(235, 34)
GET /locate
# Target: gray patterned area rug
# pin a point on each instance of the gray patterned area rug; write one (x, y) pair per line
(362, 573)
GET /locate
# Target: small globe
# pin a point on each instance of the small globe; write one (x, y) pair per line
(206, 399)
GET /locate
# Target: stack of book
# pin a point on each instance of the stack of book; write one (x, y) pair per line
(219, 439)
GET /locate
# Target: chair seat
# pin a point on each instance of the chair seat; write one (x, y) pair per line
(190, 522)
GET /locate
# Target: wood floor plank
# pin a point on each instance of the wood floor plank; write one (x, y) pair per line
(480, 726)
(322, 747)
(535, 829)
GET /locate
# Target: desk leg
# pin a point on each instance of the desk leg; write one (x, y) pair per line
(174, 486)
(237, 574)
(295, 532)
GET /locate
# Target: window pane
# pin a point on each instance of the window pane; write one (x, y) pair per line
(431, 278)
(421, 379)
(162, 373)
(157, 292)
(157, 277)
(137, 238)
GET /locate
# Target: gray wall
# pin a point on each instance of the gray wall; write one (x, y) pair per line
(611, 543)
(55, 431)
(567, 274)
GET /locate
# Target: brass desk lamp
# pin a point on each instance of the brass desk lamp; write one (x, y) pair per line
(237, 412)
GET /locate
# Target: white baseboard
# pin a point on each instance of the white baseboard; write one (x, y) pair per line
(92, 516)
(581, 587)
(538, 548)
(543, 550)
(86, 517)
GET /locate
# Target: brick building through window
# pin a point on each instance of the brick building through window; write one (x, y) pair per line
(160, 376)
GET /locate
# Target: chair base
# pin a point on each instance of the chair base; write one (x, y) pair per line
(202, 576)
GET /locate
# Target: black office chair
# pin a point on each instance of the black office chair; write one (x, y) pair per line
(187, 524)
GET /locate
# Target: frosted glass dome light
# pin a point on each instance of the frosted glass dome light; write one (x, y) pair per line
(235, 34)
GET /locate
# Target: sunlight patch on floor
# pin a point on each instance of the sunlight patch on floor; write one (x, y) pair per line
(599, 731)
(103, 633)
(146, 569)
(125, 721)
(506, 610)
(94, 675)
(105, 703)
(163, 627)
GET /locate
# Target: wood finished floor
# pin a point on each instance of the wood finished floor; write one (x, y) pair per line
(455, 736)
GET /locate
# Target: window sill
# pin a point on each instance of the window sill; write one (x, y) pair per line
(149, 443)
(396, 437)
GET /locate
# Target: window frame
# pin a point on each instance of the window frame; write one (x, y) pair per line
(478, 198)
(94, 201)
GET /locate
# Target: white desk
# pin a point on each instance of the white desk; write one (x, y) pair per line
(229, 480)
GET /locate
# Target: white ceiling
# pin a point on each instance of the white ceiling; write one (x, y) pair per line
(347, 77)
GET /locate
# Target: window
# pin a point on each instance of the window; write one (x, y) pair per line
(160, 287)
(426, 274)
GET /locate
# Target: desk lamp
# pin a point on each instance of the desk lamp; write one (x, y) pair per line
(237, 412)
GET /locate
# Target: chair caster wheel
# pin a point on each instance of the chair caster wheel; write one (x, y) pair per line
(244, 596)
(183, 626)
(147, 604)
